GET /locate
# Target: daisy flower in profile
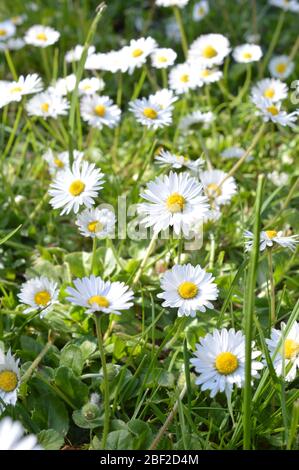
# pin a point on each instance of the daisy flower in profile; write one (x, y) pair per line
(47, 104)
(183, 78)
(162, 58)
(12, 436)
(196, 117)
(200, 10)
(75, 187)
(138, 51)
(61, 160)
(149, 113)
(270, 88)
(23, 86)
(271, 238)
(97, 295)
(270, 111)
(41, 36)
(9, 379)
(89, 86)
(234, 152)
(178, 161)
(99, 111)
(247, 53)
(281, 67)
(174, 200)
(7, 29)
(74, 55)
(286, 359)
(189, 289)
(287, 5)
(96, 223)
(172, 3)
(39, 293)
(218, 193)
(220, 361)
(210, 49)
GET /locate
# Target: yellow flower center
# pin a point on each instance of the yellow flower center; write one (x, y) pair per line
(226, 363)
(213, 190)
(3, 32)
(100, 110)
(150, 113)
(94, 226)
(273, 110)
(8, 381)
(205, 73)
(87, 87)
(16, 89)
(209, 52)
(281, 68)
(41, 37)
(137, 52)
(201, 11)
(269, 93)
(291, 348)
(175, 203)
(77, 187)
(99, 300)
(188, 290)
(45, 107)
(247, 55)
(162, 58)
(271, 233)
(58, 163)
(185, 78)
(42, 298)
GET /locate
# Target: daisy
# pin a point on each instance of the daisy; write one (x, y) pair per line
(39, 293)
(164, 98)
(271, 238)
(174, 200)
(210, 49)
(196, 117)
(116, 61)
(41, 36)
(9, 379)
(65, 85)
(47, 104)
(99, 111)
(96, 223)
(220, 361)
(19, 19)
(74, 55)
(281, 67)
(96, 61)
(23, 86)
(272, 112)
(97, 295)
(279, 179)
(286, 359)
(200, 10)
(178, 161)
(234, 152)
(89, 86)
(172, 3)
(183, 78)
(206, 75)
(247, 53)
(13, 44)
(189, 289)
(7, 29)
(75, 187)
(149, 113)
(138, 51)
(163, 58)
(218, 193)
(60, 161)
(287, 5)
(270, 88)
(12, 436)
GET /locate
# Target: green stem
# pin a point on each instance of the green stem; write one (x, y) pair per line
(272, 288)
(93, 257)
(244, 89)
(139, 84)
(273, 43)
(13, 132)
(10, 64)
(164, 78)
(179, 21)
(144, 261)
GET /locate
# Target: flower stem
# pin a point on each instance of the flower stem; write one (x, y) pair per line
(272, 288)
(10, 64)
(139, 84)
(273, 43)
(93, 257)
(144, 261)
(179, 21)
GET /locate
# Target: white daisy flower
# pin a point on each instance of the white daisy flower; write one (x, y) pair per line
(281, 67)
(286, 360)
(220, 361)
(18, 19)
(189, 289)
(39, 293)
(163, 57)
(200, 10)
(196, 117)
(138, 51)
(183, 78)
(175, 200)
(9, 380)
(279, 179)
(164, 98)
(271, 238)
(206, 75)
(99, 111)
(270, 111)
(7, 29)
(63, 86)
(96, 61)
(90, 86)
(211, 49)
(12, 436)
(47, 104)
(172, 3)
(116, 61)
(149, 113)
(178, 161)
(97, 295)
(41, 36)
(287, 5)
(61, 160)
(75, 187)
(12, 44)
(218, 194)
(23, 86)
(233, 152)
(96, 223)
(271, 89)
(247, 53)
(74, 55)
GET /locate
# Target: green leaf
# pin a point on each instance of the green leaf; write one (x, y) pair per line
(51, 413)
(9, 235)
(50, 439)
(72, 357)
(119, 440)
(71, 386)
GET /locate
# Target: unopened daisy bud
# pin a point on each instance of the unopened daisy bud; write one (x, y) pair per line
(160, 266)
(90, 411)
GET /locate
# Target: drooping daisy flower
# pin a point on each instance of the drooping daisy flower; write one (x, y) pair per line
(12, 436)
(39, 293)
(279, 179)
(197, 117)
(270, 88)
(281, 67)
(247, 53)
(172, 3)
(270, 111)
(99, 111)
(286, 360)
(47, 104)
(74, 55)
(183, 78)
(287, 5)
(7, 29)
(220, 361)
(173, 201)
(96, 223)
(75, 187)
(41, 36)
(189, 289)
(149, 113)
(210, 49)
(200, 10)
(138, 51)
(61, 160)
(63, 86)
(97, 295)
(163, 58)
(271, 238)
(90, 86)
(24, 86)
(178, 161)
(218, 194)
(9, 380)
